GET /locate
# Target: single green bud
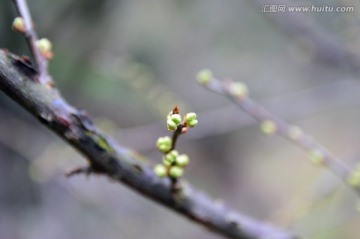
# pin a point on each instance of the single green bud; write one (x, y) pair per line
(164, 144)
(44, 45)
(160, 170)
(18, 25)
(191, 119)
(171, 125)
(316, 156)
(170, 157)
(182, 160)
(190, 116)
(268, 127)
(204, 76)
(164, 140)
(163, 148)
(176, 118)
(239, 89)
(166, 162)
(176, 171)
(192, 123)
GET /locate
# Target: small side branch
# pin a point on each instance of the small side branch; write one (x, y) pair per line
(270, 123)
(31, 39)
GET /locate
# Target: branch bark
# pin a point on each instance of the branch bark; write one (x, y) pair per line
(18, 81)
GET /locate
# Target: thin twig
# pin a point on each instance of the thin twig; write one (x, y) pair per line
(175, 136)
(119, 163)
(31, 39)
(292, 133)
(174, 181)
(175, 186)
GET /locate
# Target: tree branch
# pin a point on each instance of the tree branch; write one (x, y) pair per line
(318, 153)
(118, 163)
(31, 38)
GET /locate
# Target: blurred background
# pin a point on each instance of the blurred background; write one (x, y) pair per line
(129, 62)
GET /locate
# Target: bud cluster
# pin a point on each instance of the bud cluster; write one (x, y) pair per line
(174, 121)
(173, 163)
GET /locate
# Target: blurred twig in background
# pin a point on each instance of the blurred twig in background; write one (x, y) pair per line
(271, 124)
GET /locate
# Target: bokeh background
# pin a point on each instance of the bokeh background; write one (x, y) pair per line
(129, 62)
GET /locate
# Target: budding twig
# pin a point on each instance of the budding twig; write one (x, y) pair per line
(270, 124)
(32, 39)
(173, 164)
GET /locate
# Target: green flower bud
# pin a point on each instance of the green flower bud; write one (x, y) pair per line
(163, 148)
(191, 119)
(160, 170)
(182, 160)
(239, 89)
(166, 162)
(190, 116)
(44, 45)
(18, 25)
(176, 171)
(174, 153)
(268, 127)
(316, 156)
(171, 125)
(164, 144)
(204, 76)
(164, 140)
(192, 123)
(170, 157)
(176, 118)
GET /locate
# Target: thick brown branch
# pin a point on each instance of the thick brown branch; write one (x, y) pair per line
(119, 163)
